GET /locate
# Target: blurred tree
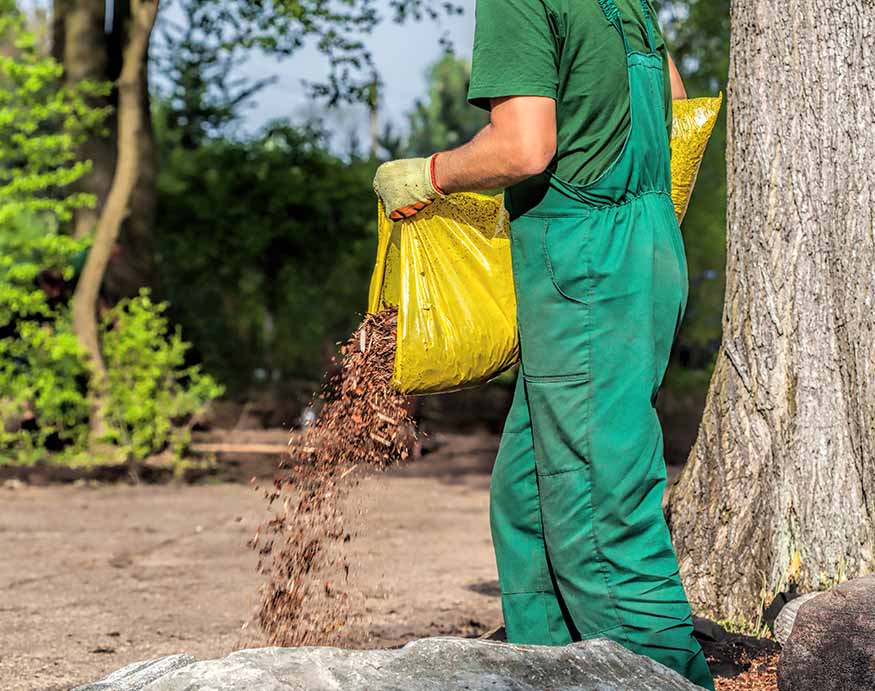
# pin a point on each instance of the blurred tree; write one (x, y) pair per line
(90, 46)
(697, 33)
(780, 486)
(265, 249)
(89, 43)
(41, 367)
(115, 208)
(444, 119)
(45, 385)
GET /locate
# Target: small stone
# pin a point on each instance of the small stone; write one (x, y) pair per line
(786, 618)
(831, 646)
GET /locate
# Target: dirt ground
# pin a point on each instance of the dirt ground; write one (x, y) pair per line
(95, 577)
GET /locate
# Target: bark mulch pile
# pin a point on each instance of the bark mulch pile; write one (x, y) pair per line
(363, 422)
(743, 663)
(760, 676)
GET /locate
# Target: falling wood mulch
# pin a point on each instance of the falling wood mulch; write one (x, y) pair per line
(363, 423)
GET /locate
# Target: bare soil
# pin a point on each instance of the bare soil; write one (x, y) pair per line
(95, 577)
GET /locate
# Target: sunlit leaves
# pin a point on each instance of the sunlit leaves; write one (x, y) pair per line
(151, 389)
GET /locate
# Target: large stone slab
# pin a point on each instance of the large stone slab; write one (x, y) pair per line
(139, 675)
(831, 646)
(432, 664)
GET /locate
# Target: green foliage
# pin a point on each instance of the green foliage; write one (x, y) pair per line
(200, 98)
(265, 249)
(697, 33)
(44, 378)
(42, 371)
(40, 124)
(281, 27)
(151, 390)
(445, 119)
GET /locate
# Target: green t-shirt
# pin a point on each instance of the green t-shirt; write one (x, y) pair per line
(569, 51)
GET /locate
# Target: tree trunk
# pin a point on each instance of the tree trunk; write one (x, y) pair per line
(134, 265)
(86, 51)
(82, 48)
(116, 208)
(785, 457)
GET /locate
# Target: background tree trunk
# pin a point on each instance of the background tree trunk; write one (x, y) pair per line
(87, 51)
(785, 457)
(117, 205)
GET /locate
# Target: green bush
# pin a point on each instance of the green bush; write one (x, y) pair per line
(42, 371)
(44, 376)
(152, 392)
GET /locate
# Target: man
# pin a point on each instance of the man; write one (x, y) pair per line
(580, 99)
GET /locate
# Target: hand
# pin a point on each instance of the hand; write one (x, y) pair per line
(406, 186)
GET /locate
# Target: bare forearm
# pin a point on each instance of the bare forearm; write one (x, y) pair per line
(518, 143)
(488, 161)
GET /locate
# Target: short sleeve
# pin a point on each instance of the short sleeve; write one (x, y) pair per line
(515, 51)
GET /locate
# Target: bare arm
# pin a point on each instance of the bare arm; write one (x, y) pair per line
(518, 142)
(677, 84)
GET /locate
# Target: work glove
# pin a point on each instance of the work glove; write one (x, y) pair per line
(406, 186)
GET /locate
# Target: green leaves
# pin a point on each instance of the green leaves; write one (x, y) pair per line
(151, 389)
(44, 375)
(41, 123)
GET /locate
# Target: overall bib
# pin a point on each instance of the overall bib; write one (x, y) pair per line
(582, 546)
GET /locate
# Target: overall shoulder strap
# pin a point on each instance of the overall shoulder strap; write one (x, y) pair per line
(613, 14)
(648, 22)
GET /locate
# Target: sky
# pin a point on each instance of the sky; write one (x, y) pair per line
(402, 54)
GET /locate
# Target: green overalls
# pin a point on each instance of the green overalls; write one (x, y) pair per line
(582, 546)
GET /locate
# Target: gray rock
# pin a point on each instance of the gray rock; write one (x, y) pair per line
(138, 675)
(432, 664)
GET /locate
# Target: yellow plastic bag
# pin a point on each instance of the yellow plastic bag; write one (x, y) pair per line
(448, 271)
(692, 122)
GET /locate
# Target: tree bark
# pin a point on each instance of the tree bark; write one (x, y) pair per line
(82, 48)
(87, 52)
(785, 457)
(116, 208)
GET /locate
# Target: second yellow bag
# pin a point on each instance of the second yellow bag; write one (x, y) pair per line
(448, 271)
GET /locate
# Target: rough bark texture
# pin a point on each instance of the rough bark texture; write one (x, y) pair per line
(116, 208)
(785, 457)
(832, 645)
(86, 51)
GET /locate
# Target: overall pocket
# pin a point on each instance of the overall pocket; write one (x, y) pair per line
(566, 254)
(552, 328)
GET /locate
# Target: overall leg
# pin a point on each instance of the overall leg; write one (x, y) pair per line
(532, 612)
(597, 439)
